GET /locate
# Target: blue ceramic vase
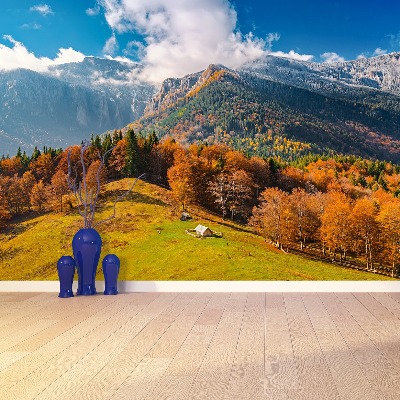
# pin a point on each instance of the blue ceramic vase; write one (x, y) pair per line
(111, 266)
(66, 272)
(86, 246)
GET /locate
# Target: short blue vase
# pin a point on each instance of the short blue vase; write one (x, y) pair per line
(110, 266)
(66, 272)
(86, 246)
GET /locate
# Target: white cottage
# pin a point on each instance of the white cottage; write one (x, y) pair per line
(202, 230)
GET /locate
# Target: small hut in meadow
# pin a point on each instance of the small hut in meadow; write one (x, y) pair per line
(202, 230)
(185, 216)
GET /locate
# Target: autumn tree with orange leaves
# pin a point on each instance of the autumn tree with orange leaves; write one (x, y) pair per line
(180, 179)
(336, 225)
(39, 196)
(306, 209)
(389, 219)
(57, 189)
(43, 167)
(366, 230)
(272, 215)
(11, 166)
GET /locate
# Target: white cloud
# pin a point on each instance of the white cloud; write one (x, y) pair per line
(92, 12)
(18, 56)
(43, 9)
(177, 38)
(394, 40)
(271, 38)
(331, 57)
(183, 36)
(32, 25)
(111, 45)
(121, 59)
(274, 37)
(65, 56)
(136, 49)
(293, 55)
(379, 52)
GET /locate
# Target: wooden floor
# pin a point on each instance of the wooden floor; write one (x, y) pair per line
(200, 346)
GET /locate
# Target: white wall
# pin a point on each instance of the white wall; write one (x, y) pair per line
(215, 286)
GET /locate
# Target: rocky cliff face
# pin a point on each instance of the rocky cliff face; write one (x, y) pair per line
(174, 89)
(171, 90)
(339, 79)
(381, 72)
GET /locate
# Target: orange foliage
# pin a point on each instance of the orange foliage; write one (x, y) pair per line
(11, 166)
(43, 167)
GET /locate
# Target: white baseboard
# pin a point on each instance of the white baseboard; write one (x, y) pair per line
(215, 286)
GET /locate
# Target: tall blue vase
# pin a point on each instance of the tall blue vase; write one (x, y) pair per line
(66, 272)
(86, 246)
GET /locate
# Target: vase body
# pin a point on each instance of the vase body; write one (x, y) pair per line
(86, 246)
(66, 272)
(110, 266)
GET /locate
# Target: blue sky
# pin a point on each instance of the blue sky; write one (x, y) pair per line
(175, 37)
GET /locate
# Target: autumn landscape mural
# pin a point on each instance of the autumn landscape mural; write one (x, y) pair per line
(291, 160)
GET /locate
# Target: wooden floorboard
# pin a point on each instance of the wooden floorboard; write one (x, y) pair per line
(376, 367)
(178, 379)
(225, 346)
(281, 377)
(248, 365)
(341, 362)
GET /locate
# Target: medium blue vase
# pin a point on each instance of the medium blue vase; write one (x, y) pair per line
(86, 246)
(66, 272)
(111, 266)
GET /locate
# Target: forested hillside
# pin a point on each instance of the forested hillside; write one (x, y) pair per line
(272, 119)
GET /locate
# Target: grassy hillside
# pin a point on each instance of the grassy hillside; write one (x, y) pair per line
(152, 245)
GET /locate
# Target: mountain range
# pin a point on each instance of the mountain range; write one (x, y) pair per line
(271, 107)
(285, 108)
(68, 103)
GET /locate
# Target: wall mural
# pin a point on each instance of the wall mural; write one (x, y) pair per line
(222, 161)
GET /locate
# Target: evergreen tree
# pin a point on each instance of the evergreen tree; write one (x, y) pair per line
(116, 137)
(132, 153)
(106, 145)
(382, 181)
(36, 153)
(97, 142)
(25, 160)
(152, 140)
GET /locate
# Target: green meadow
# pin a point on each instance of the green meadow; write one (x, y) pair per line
(152, 244)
